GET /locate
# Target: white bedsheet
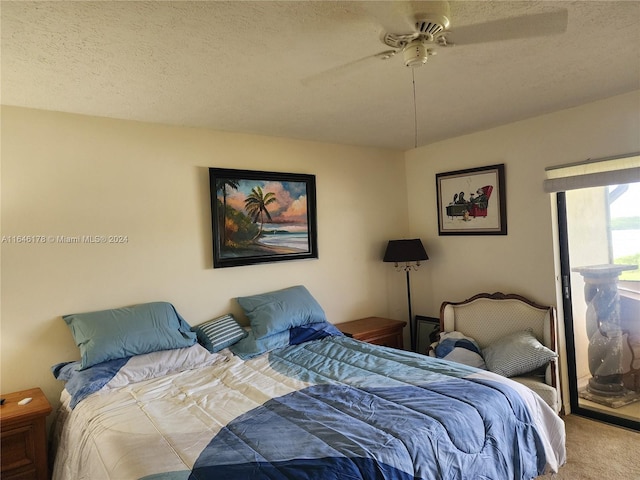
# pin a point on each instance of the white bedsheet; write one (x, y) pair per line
(162, 424)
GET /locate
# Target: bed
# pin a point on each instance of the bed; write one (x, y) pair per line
(292, 398)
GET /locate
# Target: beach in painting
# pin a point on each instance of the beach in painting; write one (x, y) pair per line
(285, 236)
(276, 239)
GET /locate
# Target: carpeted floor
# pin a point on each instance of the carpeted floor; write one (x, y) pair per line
(598, 451)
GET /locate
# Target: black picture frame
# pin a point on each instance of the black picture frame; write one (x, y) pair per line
(427, 333)
(262, 217)
(472, 201)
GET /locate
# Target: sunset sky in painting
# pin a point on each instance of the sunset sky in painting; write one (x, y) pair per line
(291, 206)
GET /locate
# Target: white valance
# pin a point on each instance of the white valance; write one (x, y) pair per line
(594, 173)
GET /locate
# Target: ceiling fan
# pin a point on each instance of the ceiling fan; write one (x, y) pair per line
(419, 29)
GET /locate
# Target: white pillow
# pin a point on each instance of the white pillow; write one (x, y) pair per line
(517, 353)
(457, 347)
(163, 362)
(467, 357)
(450, 340)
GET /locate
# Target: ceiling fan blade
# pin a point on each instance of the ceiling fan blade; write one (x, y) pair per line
(396, 17)
(346, 69)
(393, 17)
(526, 26)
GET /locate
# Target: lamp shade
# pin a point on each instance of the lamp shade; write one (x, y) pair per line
(405, 251)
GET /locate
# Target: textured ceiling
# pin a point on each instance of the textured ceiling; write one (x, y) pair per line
(304, 69)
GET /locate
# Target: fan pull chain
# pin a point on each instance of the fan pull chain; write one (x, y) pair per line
(415, 109)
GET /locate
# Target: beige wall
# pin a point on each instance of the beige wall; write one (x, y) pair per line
(73, 175)
(523, 261)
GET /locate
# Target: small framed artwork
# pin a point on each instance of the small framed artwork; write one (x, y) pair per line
(472, 202)
(427, 333)
(260, 217)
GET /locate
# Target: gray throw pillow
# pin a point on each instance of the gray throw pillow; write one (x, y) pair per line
(516, 354)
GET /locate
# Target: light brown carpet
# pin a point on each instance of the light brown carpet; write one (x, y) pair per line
(598, 451)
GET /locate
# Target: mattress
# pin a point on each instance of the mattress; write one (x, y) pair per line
(335, 408)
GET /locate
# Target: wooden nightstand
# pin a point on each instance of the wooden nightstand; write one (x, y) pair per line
(24, 438)
(376, 330)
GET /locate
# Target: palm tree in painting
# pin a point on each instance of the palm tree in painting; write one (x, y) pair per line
(222, 184)
(256, 205)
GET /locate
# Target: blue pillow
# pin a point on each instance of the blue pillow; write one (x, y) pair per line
(278, 311)
(219, 333)
(124, 332)
(250, 346)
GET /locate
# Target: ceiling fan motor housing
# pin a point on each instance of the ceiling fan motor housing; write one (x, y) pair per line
(428, 26)
(431, 24)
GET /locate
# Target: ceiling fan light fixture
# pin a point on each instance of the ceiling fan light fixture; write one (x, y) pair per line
(415, 53)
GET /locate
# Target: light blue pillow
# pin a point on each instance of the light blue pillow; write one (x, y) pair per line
(219, 333)
(280, 310)
(250, 346)
(124, 332)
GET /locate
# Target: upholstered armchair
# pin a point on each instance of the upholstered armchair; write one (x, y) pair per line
(498, 323)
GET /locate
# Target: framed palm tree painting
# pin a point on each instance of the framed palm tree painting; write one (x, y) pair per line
(260, 217)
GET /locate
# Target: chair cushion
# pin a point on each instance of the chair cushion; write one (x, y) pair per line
(548, 393)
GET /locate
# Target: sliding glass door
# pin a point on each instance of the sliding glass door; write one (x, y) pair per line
(600, 256)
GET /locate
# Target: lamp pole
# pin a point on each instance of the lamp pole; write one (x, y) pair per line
(412, 329)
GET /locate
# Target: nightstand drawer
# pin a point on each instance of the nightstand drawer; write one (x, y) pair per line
(18, 449)
(375, 330)
(394, 341)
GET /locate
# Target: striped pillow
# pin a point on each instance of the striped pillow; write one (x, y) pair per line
(516, 354)
(219, 333)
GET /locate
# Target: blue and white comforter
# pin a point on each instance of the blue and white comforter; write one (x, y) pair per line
(327, 409)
